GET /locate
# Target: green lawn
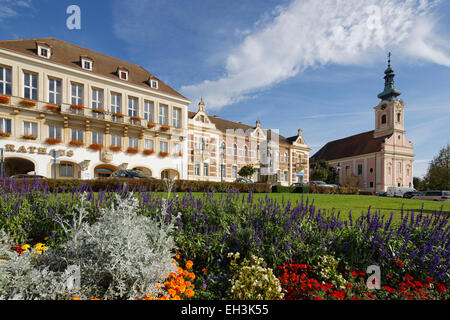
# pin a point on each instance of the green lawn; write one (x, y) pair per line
(356, 203)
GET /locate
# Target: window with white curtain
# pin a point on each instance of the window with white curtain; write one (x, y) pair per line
(5, 81)
(30, 128)
(97, 98)
(30, 86)
(54, 132)
(54, 91)
(148, 111)
(77, 92)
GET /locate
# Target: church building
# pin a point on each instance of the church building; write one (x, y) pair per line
(379, 158)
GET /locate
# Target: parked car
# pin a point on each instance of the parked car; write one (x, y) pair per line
(434, 195)
(410, 194)
(321, 184)
(398, 191)
(27, 176)
(131, 174)
(244, 180)
(381, 194)
(300, 184)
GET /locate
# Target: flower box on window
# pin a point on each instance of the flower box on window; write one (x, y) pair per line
(97, 110)
(76, 107)
(115, 148)
(52, 141)
(28, 103)
(96, 146)
(5, 134)
(29, 137)
(132, 150)
(135, 118)
(5, 99)
(180, 154)
(150, 125)
(164, 128)
(53, 108)
(148, 152)
(118, 115)
(163, 154)
(76, 143)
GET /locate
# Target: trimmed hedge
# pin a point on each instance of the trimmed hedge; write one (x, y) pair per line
(316, 189)
(144, 185)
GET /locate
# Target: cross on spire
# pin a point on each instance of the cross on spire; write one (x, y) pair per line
(389, 59)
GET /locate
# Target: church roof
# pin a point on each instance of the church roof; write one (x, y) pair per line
(359, 144)
(69, 54)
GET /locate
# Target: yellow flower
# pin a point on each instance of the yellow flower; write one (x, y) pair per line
(25, 247)
(46, 238)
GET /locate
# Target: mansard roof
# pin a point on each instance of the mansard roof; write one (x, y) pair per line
(69, 54)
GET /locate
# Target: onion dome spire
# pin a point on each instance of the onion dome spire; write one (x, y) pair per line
(389, 93)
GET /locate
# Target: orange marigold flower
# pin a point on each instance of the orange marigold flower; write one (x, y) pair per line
(180, 270)
(158, 286)
(176, 298)
(204, 270)
(187, 283)
(189, 264)
(182, 288)
(94, 299)
(76, 298)
(167, 283)
(177, 256)
(192, 275)
(171, 292)
(189, 293)
(173, 274)
(185, 273)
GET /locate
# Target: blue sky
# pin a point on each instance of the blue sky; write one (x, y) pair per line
(309, 64)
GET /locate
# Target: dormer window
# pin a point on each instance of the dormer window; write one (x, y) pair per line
(154, 84)
(87, 63)
(123, 74)
(44, 51)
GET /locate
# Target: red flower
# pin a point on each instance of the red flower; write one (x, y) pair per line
(440, 288)
(398, 263)
(354, 273)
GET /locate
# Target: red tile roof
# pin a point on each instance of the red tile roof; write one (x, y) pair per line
(69, 54)
(358, 144)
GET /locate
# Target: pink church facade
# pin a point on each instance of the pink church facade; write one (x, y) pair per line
(380, 158)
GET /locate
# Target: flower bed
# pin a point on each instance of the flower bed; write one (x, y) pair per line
(76, 143)
(115, 148)
(163, 154)
(29, 137)
(164, 128)
(4, 134)
(5, 99)
(52, 141)
(96, 146)
(132, 150)
(148, 152)
(27, 103)
(53, 108)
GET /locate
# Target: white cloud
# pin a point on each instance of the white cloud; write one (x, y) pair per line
(11, 8)
(311, 33)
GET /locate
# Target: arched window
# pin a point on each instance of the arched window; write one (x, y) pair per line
(223, 148)
(383, 119)
(285, 157)
(235, 149)
(245, 151)
(399, 117)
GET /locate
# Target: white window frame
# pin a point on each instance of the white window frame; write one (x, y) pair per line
(154, 84)
(54, 96)
(30, 128)
(78, 97)
(4, 83)
(33, 90)
(176, 117)
(97, 137)
(133, 142)
(4, 125)
(97, 98)
(285, 176)
(133, 106)
(83, 64)
(197, 169)
(235, 149)
(116, 140)
(245, 151)
(163, 114)
(48, 50)
(123, 72)
(163, 146)
(234, 172)
(149, 144)
(63, 169)
(148, 110)
(55, 132)
(176, 148)
(205, 169)
(75, 133)
(116, 102)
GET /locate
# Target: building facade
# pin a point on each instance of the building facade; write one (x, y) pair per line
(380, 158)
(70, 112)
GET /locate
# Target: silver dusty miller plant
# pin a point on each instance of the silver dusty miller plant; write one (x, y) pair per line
(124, 255)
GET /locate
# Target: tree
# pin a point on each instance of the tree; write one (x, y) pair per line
(322, 171)
(438, 175)
(419, 184)
(247, 171)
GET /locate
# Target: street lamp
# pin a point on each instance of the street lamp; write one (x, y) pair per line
(2, 150)
(55, 155)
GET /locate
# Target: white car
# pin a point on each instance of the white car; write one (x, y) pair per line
(433, 195)
(398, 191)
